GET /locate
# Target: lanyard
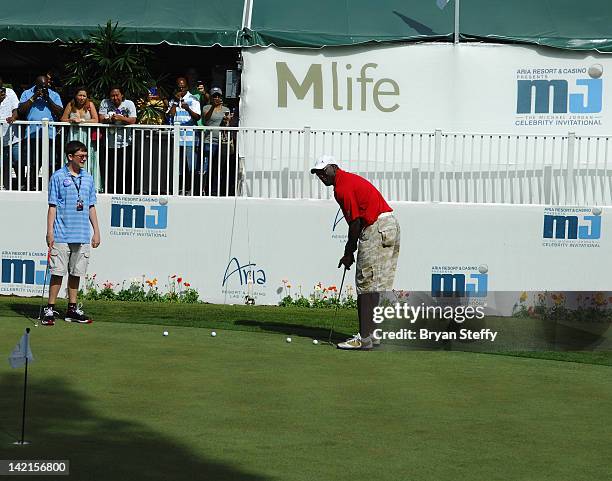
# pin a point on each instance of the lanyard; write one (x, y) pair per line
(78, 187)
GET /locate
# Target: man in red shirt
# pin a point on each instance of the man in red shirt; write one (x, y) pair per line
(375, 230)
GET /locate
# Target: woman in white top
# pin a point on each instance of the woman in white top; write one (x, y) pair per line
(81, 110)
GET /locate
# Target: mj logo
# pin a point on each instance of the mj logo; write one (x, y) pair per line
(569, 227)
(457, 285)
(139, 216)
(23, 271)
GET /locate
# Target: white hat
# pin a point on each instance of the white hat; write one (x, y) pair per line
(323, 162)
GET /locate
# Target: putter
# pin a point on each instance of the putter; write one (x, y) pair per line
(331, 331)
(42, 297)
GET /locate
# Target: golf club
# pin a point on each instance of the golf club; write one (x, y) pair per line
(42, 297)
(331, 331)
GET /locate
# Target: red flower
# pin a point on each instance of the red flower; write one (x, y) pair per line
(179, 280)
(187, 284)
(174, 276)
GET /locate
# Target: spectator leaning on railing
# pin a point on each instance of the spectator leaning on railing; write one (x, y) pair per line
(81, 110)
(214, 115)
(10, 145)
(37, 103)
(117, 154)
(184, 108)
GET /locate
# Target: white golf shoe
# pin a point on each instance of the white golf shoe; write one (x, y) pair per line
(357, 343)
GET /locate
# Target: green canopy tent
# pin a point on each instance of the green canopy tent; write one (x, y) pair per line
(316, 23)
(178, 22)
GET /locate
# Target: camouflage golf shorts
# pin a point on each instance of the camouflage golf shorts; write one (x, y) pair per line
(377, 255)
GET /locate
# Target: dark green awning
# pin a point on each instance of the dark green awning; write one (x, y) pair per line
(567, 24)
(176, 22)
(316, 23)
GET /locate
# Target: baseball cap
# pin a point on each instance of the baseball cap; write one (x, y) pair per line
(323, 162)
(216, 90)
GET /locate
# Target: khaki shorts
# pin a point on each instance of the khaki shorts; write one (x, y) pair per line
(70, 259)
(377, 255)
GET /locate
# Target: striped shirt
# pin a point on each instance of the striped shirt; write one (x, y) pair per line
(71, 225)
(187, 136)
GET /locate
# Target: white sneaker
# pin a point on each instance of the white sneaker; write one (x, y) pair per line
(356, 343)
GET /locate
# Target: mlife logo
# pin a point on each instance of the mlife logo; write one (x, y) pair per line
(23, 272)
(142, 217)
(337, 234)
(460, 281)
(571, 96)
(572, 226)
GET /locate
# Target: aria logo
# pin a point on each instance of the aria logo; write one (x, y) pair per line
(243, 273)
(338, 235)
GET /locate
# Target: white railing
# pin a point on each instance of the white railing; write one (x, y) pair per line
(275, 163)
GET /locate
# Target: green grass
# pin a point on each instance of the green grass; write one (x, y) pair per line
(122, 402)
(297, 321)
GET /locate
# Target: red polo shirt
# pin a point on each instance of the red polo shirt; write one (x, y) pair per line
(358, 198)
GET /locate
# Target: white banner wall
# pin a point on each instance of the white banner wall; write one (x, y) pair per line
(214, 243)
(483, 88)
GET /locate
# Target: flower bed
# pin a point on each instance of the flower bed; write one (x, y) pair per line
(321, 297)
(140, 290)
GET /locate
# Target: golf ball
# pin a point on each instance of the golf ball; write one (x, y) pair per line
(595, 70)
(288, 339)
(596, 211)
(213, 334)
(165, 333)
(314, 341)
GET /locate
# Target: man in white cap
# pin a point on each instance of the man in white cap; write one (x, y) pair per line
(374, 233)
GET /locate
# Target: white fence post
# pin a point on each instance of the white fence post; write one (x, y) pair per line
(548, 173)
(437, 154)
(176, 153)
(569, 186)
(45, 158)
(306, 181)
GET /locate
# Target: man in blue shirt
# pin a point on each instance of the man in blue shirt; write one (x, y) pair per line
(37, 103)
(72, 207)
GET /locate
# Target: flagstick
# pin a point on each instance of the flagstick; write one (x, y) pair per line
(25, 385)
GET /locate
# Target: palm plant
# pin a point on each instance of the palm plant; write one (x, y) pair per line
(103, 61)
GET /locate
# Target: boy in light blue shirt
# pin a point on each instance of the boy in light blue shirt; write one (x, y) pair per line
(72, 207)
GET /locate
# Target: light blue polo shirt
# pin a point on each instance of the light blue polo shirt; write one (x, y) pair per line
(40, 110)
(71, 225)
